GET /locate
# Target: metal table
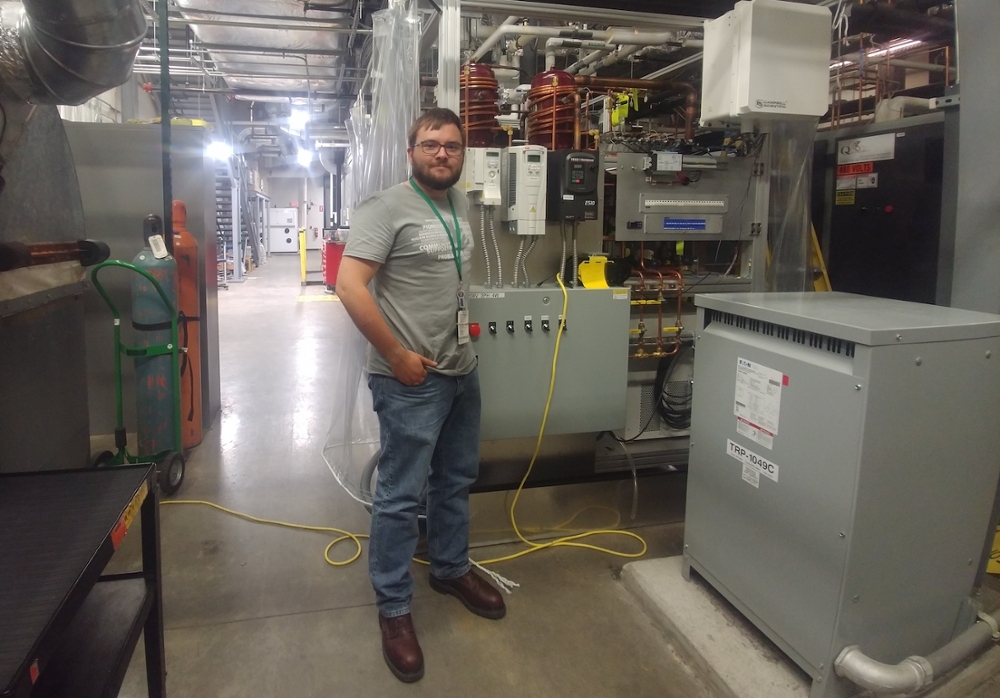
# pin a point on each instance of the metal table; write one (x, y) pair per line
(64, 628)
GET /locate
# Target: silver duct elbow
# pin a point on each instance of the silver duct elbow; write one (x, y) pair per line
(911, 674)
(68, 51)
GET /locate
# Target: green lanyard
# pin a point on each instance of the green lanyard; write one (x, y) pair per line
(458, 230)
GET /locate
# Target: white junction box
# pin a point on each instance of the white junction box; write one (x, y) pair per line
(283, 229)
(283, 217)
(766, 59)
(844, 461)
(523, 177)
(482, 175)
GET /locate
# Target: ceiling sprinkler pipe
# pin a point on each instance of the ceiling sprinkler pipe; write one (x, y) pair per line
(68, 51)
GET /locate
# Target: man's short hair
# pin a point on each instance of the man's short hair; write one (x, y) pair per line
(433, 119)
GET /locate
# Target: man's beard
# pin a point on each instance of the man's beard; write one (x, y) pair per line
(423, 174)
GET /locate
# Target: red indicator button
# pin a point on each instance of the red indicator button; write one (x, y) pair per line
(474, 329)
(888, 208)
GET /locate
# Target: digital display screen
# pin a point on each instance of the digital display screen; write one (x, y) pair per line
(534, 158)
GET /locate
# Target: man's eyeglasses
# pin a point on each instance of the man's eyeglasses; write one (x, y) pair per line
(453, 149)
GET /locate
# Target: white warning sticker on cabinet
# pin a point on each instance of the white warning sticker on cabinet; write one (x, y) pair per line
(753, 433)
(758, 398)
(749, 459)
(752, 476)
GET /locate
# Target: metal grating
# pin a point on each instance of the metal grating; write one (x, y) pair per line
(821, 342)
(512, 180)
(647, 403)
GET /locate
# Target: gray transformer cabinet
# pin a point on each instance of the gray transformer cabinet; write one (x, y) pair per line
(845, 456)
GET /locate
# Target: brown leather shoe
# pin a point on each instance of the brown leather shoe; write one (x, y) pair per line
(400, 648)
(474, 592)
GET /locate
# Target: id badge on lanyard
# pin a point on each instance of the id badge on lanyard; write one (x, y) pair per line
(463, 318)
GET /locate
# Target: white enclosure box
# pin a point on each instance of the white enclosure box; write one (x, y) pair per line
(283, 218)
(766, 59)
(523, 175)
(482, 175)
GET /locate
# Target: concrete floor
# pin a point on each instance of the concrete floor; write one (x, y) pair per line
(255, 610)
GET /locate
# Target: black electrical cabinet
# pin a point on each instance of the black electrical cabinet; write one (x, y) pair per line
(571, 188)
(882, 219)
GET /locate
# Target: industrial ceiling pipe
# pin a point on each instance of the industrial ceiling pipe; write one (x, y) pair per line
(553, 42)
(610, 59)
(68, 51)
(589, 58)
(615, 36)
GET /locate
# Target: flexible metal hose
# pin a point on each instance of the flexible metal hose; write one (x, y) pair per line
(486, 250)
(517, 262)
(562, 257)
(576, 261)
(524, 260)
(496, 247)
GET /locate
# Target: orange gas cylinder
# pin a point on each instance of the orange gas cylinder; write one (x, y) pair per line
(189, 326)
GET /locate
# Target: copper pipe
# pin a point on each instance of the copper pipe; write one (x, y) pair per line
(659, 296)
(690, 109)
(467, 75)
(576, 121)
(680, 293)
(639, 351)
(689, 90)
(557, 115)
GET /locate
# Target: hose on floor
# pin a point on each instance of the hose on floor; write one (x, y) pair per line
(571, 541)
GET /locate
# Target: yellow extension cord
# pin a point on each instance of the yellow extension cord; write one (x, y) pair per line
(566, 541)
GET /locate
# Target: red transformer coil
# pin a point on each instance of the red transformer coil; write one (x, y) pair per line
(479, 87)
(554, 111)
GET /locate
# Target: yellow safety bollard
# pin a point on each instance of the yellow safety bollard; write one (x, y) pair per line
(302, 253)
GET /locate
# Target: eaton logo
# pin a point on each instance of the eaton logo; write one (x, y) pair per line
(744, 363)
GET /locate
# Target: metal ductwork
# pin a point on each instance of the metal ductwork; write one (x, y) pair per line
(316, 69)
(68, 51)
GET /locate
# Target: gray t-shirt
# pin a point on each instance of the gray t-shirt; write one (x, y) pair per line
(416, 288)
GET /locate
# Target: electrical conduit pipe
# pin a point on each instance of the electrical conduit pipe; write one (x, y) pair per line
(914, 673)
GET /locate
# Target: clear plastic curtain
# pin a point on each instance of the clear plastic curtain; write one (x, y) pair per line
(791, 144)
(378, 161)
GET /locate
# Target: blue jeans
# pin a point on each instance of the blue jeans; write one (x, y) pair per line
(430, 440)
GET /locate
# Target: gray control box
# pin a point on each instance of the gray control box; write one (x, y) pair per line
(518, 329)
(714, 204)
(844, 459)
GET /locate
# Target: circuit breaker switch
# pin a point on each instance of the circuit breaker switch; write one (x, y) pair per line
(527, 323)
(510, 326)
(545, 323)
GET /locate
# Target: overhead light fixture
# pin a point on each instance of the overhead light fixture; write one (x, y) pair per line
(219, 150)
(305, 157)
(297, 120)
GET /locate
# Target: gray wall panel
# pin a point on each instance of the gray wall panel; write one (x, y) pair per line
(43, 386)
(976, 284)
(119, 169)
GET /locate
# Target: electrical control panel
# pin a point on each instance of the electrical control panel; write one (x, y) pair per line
(482, 175)
(517, 334)
(572, 186)
(523, 179)
(655, 202)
